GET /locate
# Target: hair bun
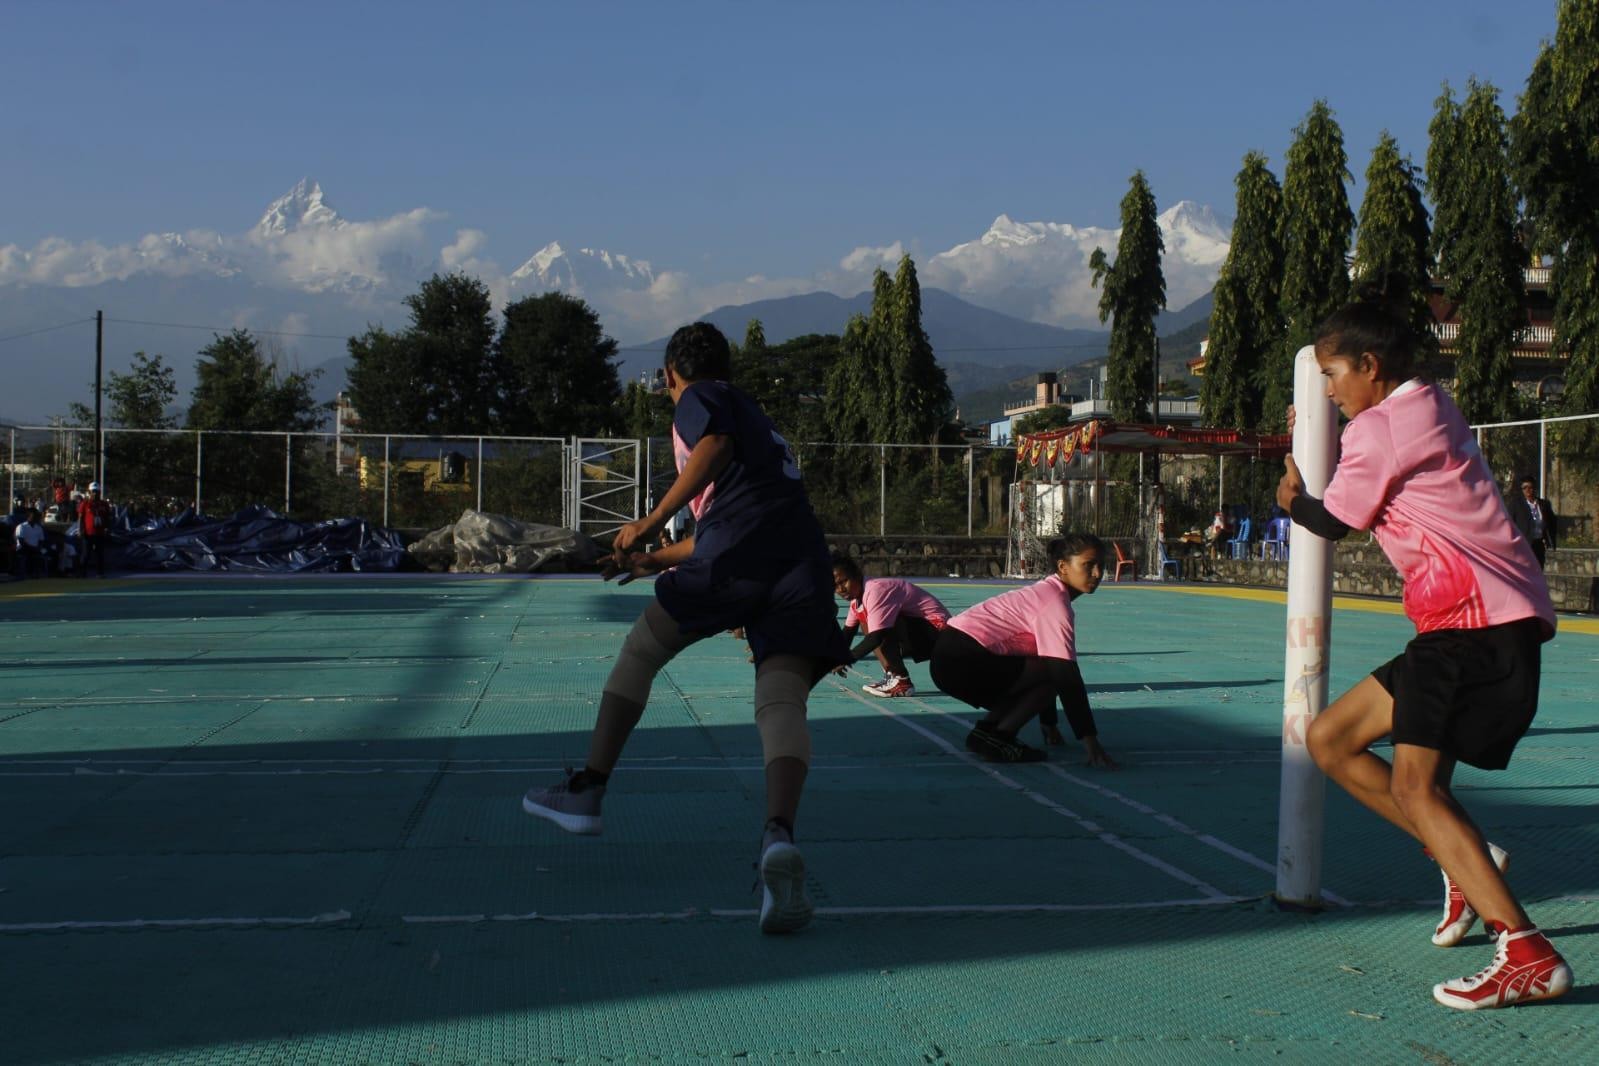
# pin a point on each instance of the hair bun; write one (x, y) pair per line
(1384, 291)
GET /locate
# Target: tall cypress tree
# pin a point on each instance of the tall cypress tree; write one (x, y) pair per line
(851, 385)
(1555, 148)
(1479, 251)
(922, 398)
(1316, 226)
(1391, 244)
(1246, 320)
(1132, 292)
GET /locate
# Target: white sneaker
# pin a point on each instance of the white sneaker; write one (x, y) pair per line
(1459, 916)
(785, 907)
(886, 681)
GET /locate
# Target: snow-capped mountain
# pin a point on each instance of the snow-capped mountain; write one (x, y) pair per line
(553, 267)
(301, 208)
(1039, 270)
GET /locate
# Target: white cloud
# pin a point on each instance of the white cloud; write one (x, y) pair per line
(866, 258)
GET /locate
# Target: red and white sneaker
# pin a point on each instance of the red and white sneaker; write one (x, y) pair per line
(899, 686)
(1459, 916)
(1526, 967)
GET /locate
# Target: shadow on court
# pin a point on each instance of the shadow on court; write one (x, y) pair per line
(328, 857)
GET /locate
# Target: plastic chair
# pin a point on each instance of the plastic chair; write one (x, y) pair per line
(1123, 560)
(1240, 543)
(1167, 562)
(1274, 545)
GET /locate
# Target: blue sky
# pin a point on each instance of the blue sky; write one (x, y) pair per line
(725, 139)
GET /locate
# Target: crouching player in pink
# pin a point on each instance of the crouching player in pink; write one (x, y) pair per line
(1014, 654)
(1466, 688)
(901, 621)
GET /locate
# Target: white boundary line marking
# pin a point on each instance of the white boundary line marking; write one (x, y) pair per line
(331, 918)
(1104, 835)
(1143, 808)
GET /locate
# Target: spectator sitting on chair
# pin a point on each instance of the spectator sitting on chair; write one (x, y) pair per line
(1216, 535)
(30, 545)
(1534, 518)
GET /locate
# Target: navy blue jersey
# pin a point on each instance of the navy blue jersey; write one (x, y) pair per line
(760, 560)
(758, 501)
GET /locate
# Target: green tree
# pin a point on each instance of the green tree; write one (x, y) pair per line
(1392, 239)
(1479, 251)
(647, 413)
(1555, 149)
(1132, 292)
(146, 469)
(435, 376)
(1316, 227)
(921, 400)
(554, 365)
(240, 385)
(1246, 324)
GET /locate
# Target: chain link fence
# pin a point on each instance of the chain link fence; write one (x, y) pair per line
(856, 489)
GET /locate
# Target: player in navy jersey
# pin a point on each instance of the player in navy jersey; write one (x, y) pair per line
(757, 560)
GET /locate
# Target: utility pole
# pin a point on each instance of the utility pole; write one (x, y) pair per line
(99, 364)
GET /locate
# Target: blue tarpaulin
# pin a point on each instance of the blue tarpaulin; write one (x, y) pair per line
(257, 539)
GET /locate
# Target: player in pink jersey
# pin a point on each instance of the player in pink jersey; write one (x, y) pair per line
(901, 621)
(1014, 654)
(1466, 688)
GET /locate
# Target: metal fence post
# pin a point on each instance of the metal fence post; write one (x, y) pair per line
(288, 454)
(385, 480)
(477, 475)
(971, 491)
(1543, 455)
(882, 489)
(13, 464)
(199, 462)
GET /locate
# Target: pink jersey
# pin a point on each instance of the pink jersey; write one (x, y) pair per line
(1036, 619)
(857, 615)
(884, 599)
(680, 453)
(1411, 472)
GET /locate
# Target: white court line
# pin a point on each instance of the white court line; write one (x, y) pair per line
(112, 770)
(535, 916)
(1182, 827)
(1164, 819)
(331, 918)
(1104, 835)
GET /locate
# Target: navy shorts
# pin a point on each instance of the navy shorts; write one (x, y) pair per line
(1468, 693)
(785, 606)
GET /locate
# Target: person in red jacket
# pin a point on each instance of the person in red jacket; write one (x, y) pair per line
(94, 518)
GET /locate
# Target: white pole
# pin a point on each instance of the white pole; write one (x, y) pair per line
(1543, 454)
(1306, 648)
(971, 491)
(199, 462)
(477, 474)
(882, 490)
(288, 465)
(385, 480)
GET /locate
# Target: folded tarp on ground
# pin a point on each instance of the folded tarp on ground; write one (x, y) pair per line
(257, 539)
(482, 543)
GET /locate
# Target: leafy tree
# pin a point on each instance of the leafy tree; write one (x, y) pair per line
(1555, 150)
(241, 386)
(147, 468)
(140, 398)
(1479, 251)
(1315, 234)
(555, 368)
(435, 377)
(648, 413)
(1391, 246)
(921, 402)
(1133, 291)
(1246, 324)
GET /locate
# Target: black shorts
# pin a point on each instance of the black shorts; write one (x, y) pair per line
(1468, 693)
(784, 606)
(916, 636)
(970, 672)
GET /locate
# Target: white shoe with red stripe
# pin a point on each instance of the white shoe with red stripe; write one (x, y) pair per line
(899, 686)
(1459, 916)
(1526, 967)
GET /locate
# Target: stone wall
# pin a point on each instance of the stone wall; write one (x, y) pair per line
(924, 556)
(1362, 570)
